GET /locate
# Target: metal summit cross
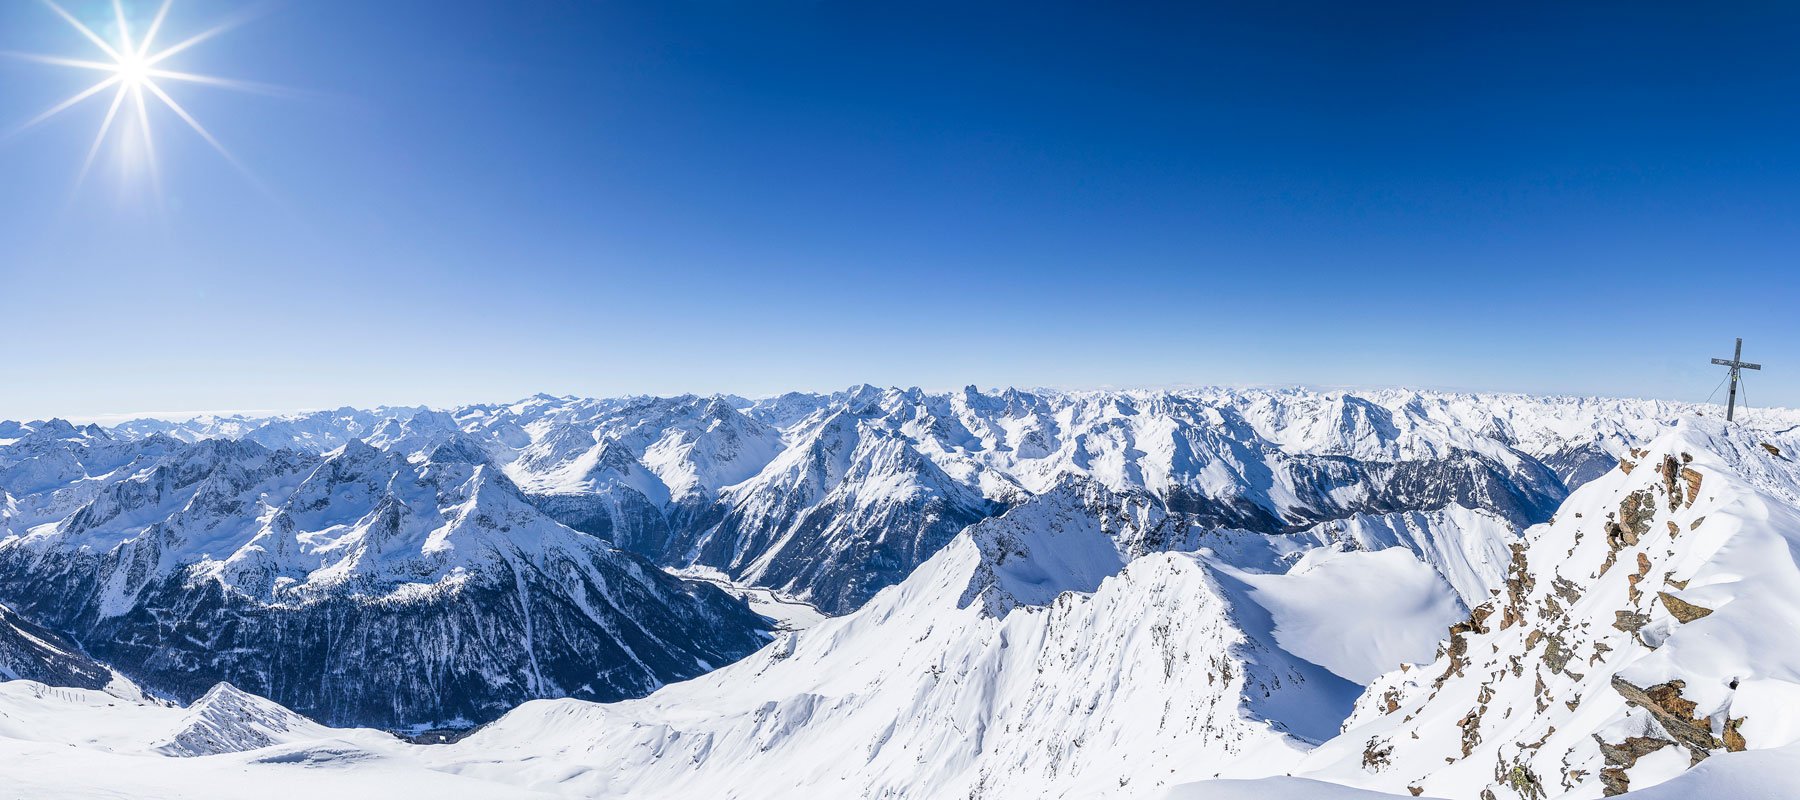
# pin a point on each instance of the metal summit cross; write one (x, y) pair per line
(1736, 363)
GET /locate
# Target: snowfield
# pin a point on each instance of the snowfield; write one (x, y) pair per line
(1208, 594)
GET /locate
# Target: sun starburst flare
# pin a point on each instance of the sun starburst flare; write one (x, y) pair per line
(133, 71)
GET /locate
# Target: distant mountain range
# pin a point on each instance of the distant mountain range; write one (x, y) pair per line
(408, 567)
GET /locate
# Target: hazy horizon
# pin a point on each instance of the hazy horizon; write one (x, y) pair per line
(110, 418)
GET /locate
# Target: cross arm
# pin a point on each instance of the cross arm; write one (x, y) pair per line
(1726, 362)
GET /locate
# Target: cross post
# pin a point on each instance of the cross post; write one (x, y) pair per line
(1736, 363)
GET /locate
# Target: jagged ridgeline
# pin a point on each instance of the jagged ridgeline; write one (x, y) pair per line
(404, 566)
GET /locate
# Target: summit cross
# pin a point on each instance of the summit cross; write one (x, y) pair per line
(1736, 363)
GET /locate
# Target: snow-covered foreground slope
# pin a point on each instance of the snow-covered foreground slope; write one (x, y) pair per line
(76, 744)
(71, 744)
(1751, 775)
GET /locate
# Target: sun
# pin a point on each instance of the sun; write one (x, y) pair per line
(132, 72)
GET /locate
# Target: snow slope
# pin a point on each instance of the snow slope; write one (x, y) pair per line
(1751, 775)
(77, 744)
(72, 744)
(1650, 626)
(1357, 641)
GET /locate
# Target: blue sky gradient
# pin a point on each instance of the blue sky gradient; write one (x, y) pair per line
(470, 201)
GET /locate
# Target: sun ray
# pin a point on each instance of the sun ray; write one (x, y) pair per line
(112, 112)
(226, 83)
(192, 123)
(66, 104)
(125, 49)
(191, 41)
(62, 62)
(155, 25)
(137, 96)
(85, 30)
(144, 128)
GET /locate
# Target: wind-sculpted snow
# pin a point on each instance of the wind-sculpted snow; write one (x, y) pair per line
(1468, 548)
(357, 586)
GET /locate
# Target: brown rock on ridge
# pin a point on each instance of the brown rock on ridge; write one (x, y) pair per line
(1682, 609)
(1635, 513)
(1734, 741)
(1623, 756)
(1671, 471)
(1674, 712)
(1692, 479)
(1631, 581)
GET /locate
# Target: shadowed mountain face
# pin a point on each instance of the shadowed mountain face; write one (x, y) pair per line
(358, 587)
(31, 652)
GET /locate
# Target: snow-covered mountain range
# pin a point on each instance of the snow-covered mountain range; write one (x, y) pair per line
(1036, 593)
(829, 498)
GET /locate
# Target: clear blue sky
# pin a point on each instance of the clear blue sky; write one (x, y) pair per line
(468, 201)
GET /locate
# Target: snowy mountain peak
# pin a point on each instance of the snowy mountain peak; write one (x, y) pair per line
(459, 450)
(1053, 543)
